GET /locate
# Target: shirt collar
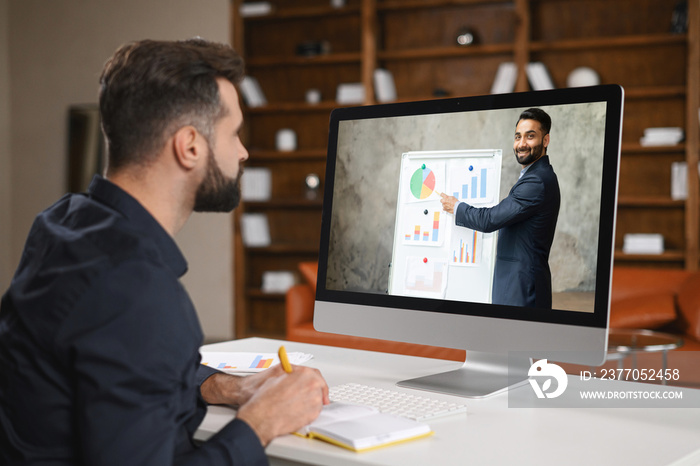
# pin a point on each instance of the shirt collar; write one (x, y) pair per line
(524, 170)
(113, 196)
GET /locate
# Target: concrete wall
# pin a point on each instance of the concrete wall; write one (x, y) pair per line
(56, 50)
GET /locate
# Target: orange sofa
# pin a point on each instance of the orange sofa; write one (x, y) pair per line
(666, 300)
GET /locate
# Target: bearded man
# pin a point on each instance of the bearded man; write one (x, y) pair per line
(525, 220)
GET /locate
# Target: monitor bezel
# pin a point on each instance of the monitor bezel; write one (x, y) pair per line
(612, 95)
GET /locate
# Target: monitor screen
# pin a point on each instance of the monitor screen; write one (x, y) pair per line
(483, 223)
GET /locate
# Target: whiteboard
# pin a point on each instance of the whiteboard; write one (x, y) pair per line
(431, 257)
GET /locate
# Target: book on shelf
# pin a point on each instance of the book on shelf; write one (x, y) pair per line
(350, 93)
(384, 85)
(252, 92)
(251, 9)
(643, 243)
(255, 230)
(279, 281)
(506, 77)
(662, 136)
(538, 76)
(256, 184)
(361, 428)
(679, 180)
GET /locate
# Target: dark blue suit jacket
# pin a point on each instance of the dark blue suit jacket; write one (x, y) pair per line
(525, 221)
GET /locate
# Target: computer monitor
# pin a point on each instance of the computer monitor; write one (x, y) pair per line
(394, 265)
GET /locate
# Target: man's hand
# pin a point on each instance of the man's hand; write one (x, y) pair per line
(448, 203)
(233, 390)
(284, 403)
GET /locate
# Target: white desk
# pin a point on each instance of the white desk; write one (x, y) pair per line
(490, 433)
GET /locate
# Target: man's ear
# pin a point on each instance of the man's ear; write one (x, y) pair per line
(545, 140)
(189, 147)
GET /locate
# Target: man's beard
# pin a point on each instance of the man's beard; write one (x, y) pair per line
(535, 153)
(216, 192)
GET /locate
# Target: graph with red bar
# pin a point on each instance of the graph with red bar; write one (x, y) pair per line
(466, 247)
(424, 228)
(260, 363)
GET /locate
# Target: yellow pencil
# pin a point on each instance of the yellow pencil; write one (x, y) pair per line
(282, 353)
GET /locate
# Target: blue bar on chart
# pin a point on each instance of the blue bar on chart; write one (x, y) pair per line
(430, 233)
(478, 185)
(436, 226)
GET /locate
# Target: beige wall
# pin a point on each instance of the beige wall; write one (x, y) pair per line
(5, 202)
(56, 51)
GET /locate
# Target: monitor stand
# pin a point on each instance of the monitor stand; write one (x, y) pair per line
(482, 375)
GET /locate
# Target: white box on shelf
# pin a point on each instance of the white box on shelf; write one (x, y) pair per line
(350, 93)
(538, 76)
(250, 9)
(384, 85)
(505, 79)
(662, 136)
(256, 184)
(679, 180)
(277, 281)
(643, 243)
(255, 230)
(252, 92)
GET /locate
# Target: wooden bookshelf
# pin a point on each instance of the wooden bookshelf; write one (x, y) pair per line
(415, 40)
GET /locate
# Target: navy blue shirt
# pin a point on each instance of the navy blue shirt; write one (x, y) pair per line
(99, 345)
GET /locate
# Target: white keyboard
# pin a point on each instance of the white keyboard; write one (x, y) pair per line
(404, 404)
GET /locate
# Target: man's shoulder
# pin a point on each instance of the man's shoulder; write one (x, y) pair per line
(78, 221)
(540, 170)
(76, 240)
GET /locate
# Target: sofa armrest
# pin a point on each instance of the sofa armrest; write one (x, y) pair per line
(299, 306)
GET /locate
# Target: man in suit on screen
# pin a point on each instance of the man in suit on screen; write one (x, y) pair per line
(525, 219)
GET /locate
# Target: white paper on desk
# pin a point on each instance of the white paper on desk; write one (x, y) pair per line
(238, 362)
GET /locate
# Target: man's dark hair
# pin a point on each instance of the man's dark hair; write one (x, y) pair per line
(149, 89)
(537, 114)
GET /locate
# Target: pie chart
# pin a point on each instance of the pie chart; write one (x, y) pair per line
(422, 182)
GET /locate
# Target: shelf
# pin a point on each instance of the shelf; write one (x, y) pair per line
(259, 155)
(285, 204)
(285, 249)
(304, 12)
(655, 92)
(637, 148)
(294, 107)
(668, 256)
(445, 52)
(283, 60)
(649, 201)
(426, 4)
(369, 34)
(257, 293)
(609, 42)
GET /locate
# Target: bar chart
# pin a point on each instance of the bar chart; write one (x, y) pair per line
(476, 188)
(424, 227)
(426, 277)
(466, 247)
